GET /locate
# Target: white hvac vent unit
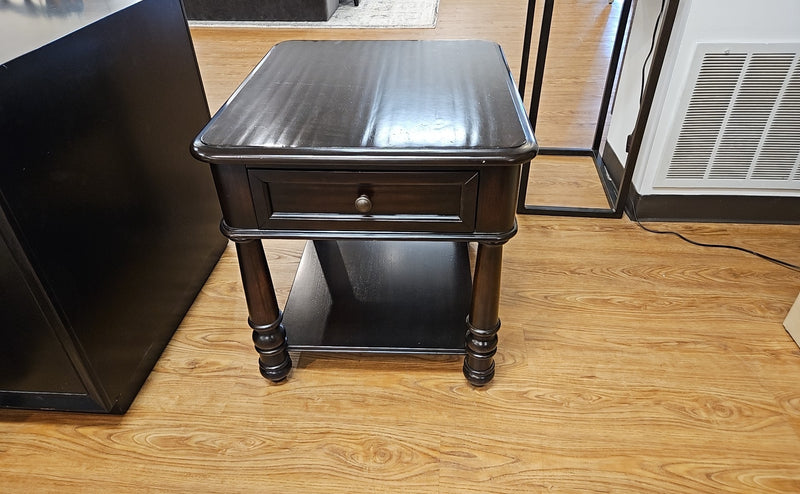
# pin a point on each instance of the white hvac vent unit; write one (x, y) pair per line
(738, 124)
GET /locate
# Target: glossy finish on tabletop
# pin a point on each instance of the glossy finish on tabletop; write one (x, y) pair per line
(373, 101)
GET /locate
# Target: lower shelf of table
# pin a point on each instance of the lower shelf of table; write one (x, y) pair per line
(380, 296)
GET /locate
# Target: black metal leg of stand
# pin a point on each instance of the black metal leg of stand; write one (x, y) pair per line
(526, 48)
(613, 192)
(611, 74)
(541, 58)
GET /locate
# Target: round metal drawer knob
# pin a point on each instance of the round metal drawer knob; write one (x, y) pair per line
(363, 204)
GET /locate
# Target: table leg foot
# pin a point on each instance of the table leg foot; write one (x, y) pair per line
(481, 345)
(273, 352)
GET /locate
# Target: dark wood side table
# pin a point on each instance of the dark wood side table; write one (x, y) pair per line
(390, 156)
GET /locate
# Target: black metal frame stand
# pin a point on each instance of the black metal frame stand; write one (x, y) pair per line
(615, 194)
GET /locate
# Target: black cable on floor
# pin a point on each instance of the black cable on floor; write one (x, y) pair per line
(773, 260)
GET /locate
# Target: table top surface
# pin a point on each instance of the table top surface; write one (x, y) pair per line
(373, 101)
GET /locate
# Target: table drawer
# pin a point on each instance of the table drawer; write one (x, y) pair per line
(391, 201)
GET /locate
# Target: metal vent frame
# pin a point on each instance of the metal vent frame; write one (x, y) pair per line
(738, 125)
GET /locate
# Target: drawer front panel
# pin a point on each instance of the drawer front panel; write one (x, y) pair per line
(391, 201)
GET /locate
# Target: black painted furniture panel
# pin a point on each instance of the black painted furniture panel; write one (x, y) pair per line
(107, 219)
(34, 341)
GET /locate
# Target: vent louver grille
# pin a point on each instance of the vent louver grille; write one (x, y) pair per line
(742, 122)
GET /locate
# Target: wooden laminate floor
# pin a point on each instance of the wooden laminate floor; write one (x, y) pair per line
(628, 361)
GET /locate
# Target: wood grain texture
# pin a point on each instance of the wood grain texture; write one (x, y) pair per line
(553, 179)
(627, 362)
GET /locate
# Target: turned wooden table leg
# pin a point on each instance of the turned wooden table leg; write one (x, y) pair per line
(265, 317)
(483, 322)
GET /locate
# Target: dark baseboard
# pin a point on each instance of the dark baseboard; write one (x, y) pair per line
(703, 208)
(613, 165)
(715, 209)
(259, 10)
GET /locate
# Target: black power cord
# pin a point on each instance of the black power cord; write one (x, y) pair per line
(629, 140)
(773, 260)
(652, 47)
